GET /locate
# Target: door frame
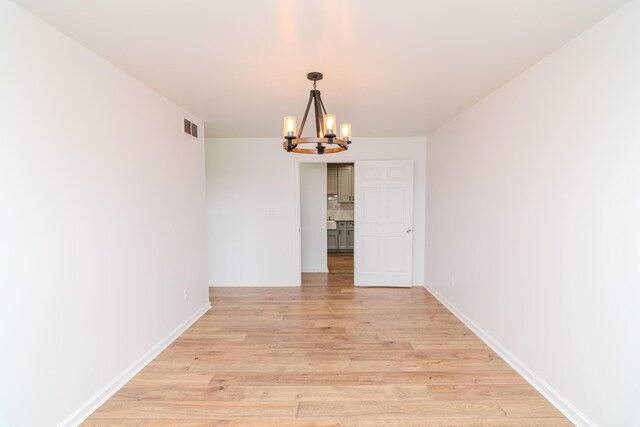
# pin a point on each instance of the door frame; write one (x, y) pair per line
(297, 208)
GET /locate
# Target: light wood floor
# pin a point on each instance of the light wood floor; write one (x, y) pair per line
(327, 354)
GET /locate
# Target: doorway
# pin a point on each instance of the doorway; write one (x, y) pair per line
(327, 228)
(340, 216)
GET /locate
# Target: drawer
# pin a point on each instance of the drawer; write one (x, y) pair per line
(349, 225)
(342, 224)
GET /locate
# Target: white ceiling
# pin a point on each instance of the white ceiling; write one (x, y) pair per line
(391, 68)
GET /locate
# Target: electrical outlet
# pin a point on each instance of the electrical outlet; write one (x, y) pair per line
(185, 294)
(453, 281)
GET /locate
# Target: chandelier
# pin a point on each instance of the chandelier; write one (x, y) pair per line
(326, 140)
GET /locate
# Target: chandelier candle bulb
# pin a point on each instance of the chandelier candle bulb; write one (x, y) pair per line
(289, 128)
(345, 132)
(329, 125)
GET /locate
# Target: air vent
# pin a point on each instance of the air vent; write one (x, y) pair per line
(190, 128)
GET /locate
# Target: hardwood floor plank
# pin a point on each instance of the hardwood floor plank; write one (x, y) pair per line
(481, 422)
(115, 409)
(337, 393)
(229, 422)
(399, 410)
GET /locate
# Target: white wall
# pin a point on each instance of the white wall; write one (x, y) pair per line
(102, 224)
(313, 217)
(252, 199)
(534, 207)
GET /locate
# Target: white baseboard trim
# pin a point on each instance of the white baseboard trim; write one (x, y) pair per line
(574, 415)
(89, 407)
(257, 285)
(316, 270)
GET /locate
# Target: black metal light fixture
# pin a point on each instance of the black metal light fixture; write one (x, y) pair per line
(326, 140)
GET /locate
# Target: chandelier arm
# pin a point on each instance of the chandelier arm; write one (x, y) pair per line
(322, 105)
(306, 113)
(316, 104)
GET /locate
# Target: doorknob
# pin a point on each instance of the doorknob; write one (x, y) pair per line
(408, 230)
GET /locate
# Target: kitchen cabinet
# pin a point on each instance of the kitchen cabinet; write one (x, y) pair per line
(342, 235)
(340, 182)
(341, 239)
(332, 180)
(332, 239)
(350, 235)
(345, 183)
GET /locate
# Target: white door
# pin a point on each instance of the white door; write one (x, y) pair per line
(383, 223)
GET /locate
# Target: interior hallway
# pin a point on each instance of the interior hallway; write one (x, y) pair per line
(327, 354)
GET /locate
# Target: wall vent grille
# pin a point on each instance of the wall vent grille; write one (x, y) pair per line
(190, 128)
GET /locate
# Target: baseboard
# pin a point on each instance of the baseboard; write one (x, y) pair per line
(89, 407)
(316, 270)
(256, 285)
(574, 415)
